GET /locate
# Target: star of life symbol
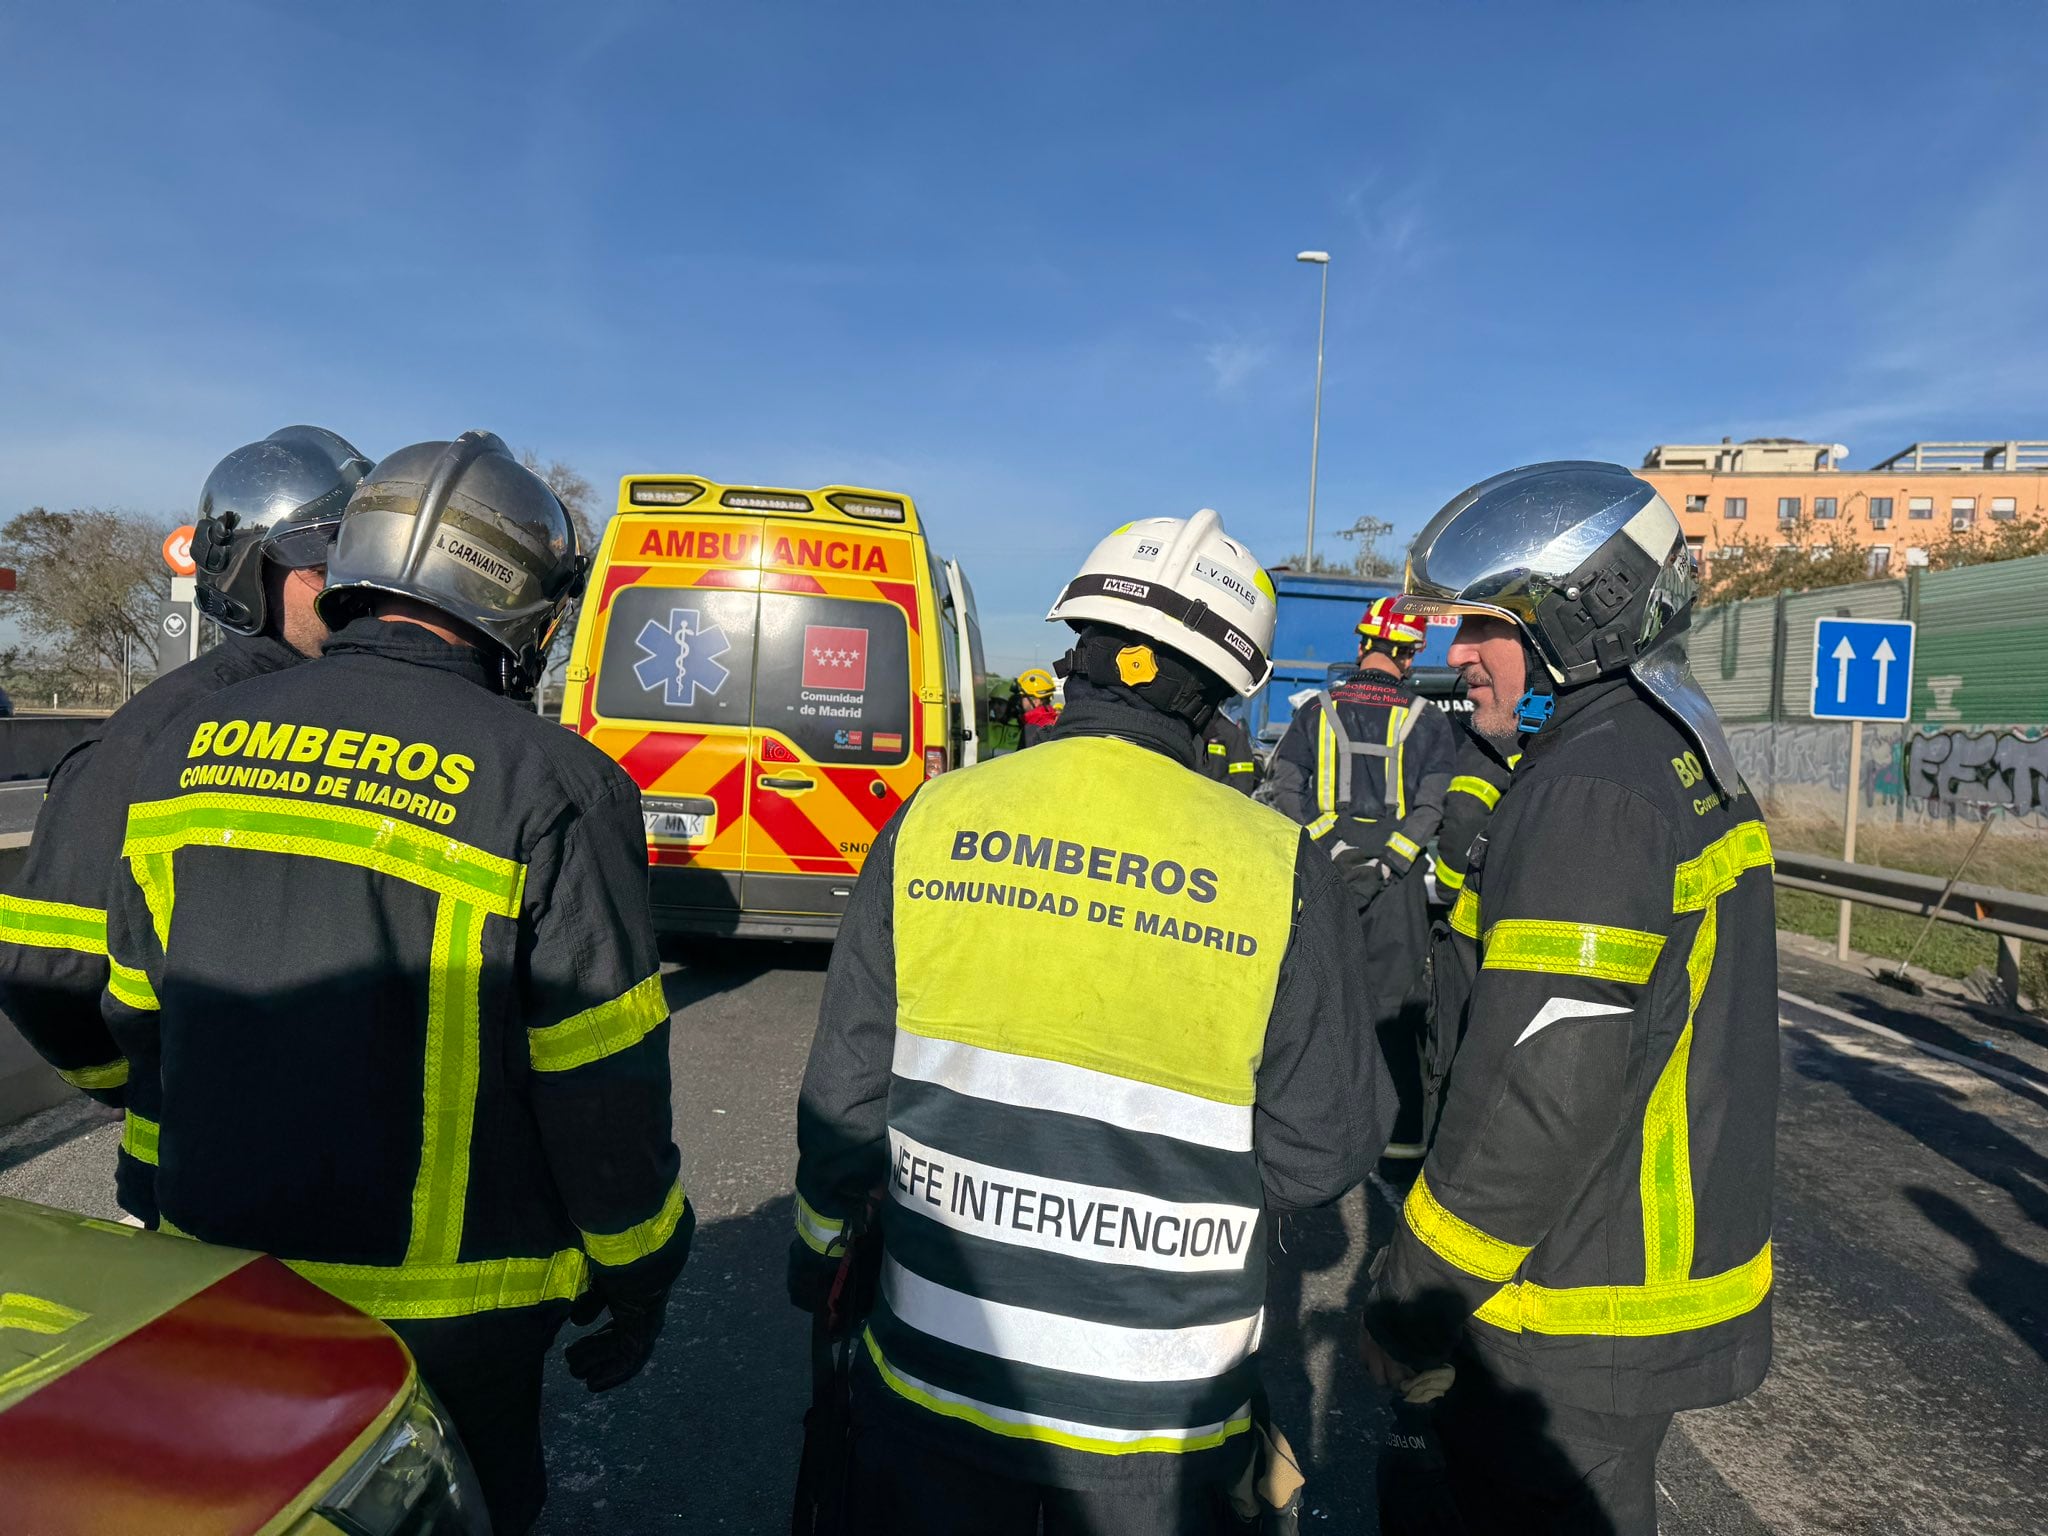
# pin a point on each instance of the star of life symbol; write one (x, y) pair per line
(681, 658)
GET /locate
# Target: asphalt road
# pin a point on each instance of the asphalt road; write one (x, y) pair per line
(1912, 1306)
(20, 799)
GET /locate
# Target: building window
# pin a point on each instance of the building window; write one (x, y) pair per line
(1696, 503)
(1962, 511)
(1880, 559)
(1823, 506)
(1788, 509)
(2003, 509)
(1920, 508)
(1697, 547)
(1735, 506)
(1880, 511)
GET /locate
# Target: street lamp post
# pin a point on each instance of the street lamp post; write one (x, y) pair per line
(1315, 440)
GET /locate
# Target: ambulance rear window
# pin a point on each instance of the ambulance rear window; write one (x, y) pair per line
(682, 654)
(833, 675)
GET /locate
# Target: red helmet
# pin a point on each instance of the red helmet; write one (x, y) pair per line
(1384, 620)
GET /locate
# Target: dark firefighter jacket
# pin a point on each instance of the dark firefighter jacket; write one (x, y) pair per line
(1479, 776)
(1226, 749)
(382, 965)
(1076, 1182)
(53, 927)
(1382, 774)
(1595, 1210)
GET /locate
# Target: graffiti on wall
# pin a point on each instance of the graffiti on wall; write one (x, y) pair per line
(1983, 768)
(1935, 773)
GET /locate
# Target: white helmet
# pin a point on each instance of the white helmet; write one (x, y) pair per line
(1187, 584)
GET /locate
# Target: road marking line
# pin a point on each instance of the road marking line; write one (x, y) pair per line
(2017, 1079)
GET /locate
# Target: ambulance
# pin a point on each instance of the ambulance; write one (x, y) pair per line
(777, 670)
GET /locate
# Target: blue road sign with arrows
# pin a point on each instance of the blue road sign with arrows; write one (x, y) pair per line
(1862, 669)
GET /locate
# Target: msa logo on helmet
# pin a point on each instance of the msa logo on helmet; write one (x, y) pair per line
(681, 659)
(482, 561)
(1115, 587)
(1238, 588)
(1239, 644)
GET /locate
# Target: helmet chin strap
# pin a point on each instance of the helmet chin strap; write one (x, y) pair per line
(1538, 701)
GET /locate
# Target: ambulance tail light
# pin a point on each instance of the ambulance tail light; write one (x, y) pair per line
(664, 493)
(876, 509)
(934, 762)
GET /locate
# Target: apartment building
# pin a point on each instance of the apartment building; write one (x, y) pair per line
(1728, 493)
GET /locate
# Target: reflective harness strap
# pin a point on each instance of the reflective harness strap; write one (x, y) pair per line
(1333, 779)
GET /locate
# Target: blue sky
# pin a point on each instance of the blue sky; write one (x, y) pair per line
(1033, 264)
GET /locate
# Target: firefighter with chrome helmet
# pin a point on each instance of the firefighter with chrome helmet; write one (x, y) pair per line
(1588, 1246)
(1365, 766)
(1037, 713)
(406, 1031)
(266, 522)
(1076, 1181)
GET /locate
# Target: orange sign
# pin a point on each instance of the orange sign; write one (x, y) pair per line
(178, 551)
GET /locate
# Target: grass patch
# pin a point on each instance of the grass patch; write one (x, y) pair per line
(2010, 861)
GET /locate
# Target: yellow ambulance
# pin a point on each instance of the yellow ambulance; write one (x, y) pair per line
(777, 670)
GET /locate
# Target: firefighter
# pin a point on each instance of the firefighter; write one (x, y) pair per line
(1075, 1180)
(1479, 774)
(1037, 712)
(265, 524)
(1588, 1247)
(1227, 754)
(1365, 767)
(405, 1030)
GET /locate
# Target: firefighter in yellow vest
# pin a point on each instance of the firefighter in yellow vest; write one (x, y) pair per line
(1076, 1181)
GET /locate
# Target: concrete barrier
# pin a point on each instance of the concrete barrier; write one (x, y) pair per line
(30, 745)
(27, 1082)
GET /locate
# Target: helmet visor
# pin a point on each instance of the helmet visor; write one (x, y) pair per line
(301, 548)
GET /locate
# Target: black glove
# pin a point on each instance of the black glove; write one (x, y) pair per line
(1364, 872)
(810, 1276)
(614, 1354)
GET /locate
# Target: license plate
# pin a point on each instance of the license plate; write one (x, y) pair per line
(677, 826)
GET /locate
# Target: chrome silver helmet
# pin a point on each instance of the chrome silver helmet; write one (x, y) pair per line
(278, 501)
(461, 527)
(1592, 565)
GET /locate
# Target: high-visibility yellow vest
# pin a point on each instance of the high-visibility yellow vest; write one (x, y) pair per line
(1075, 1249)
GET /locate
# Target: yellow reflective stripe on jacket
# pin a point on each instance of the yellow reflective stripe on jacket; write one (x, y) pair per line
(1397, 748)
(1716, 870)
(1465, 914)
(152, 875)
(1450, 879)
(599, 1032)
(53, 925)
(1665, 1179)
(820, 1233)
(1632, 1311)
(1572, 949)
(450, 1076)
(112, 1075)
(1455, 1240)
(1486, 794)
(1015, 1425)
(1217, 749)
(1407, 847)
(636, 1242)
(131, 986)
(1243, 767)
(139, 1138)
(1326, 767)
(346, 834)
(1322, 824)
(37, 1314)
(411, 1291)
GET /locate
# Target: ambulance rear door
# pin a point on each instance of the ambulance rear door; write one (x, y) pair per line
(838, 723)
(970, 699)
(671, 699)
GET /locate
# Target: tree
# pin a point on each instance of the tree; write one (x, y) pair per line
(1982, 545)
(90, 584)
(1795, 561)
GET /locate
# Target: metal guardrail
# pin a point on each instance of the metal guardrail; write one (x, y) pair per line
(2012, 914)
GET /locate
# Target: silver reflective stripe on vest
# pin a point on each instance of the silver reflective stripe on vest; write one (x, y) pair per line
(1061, 1343)
(1347, 749)
(1031, 1083)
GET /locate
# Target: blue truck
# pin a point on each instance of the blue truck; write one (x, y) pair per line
(1316, 637)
